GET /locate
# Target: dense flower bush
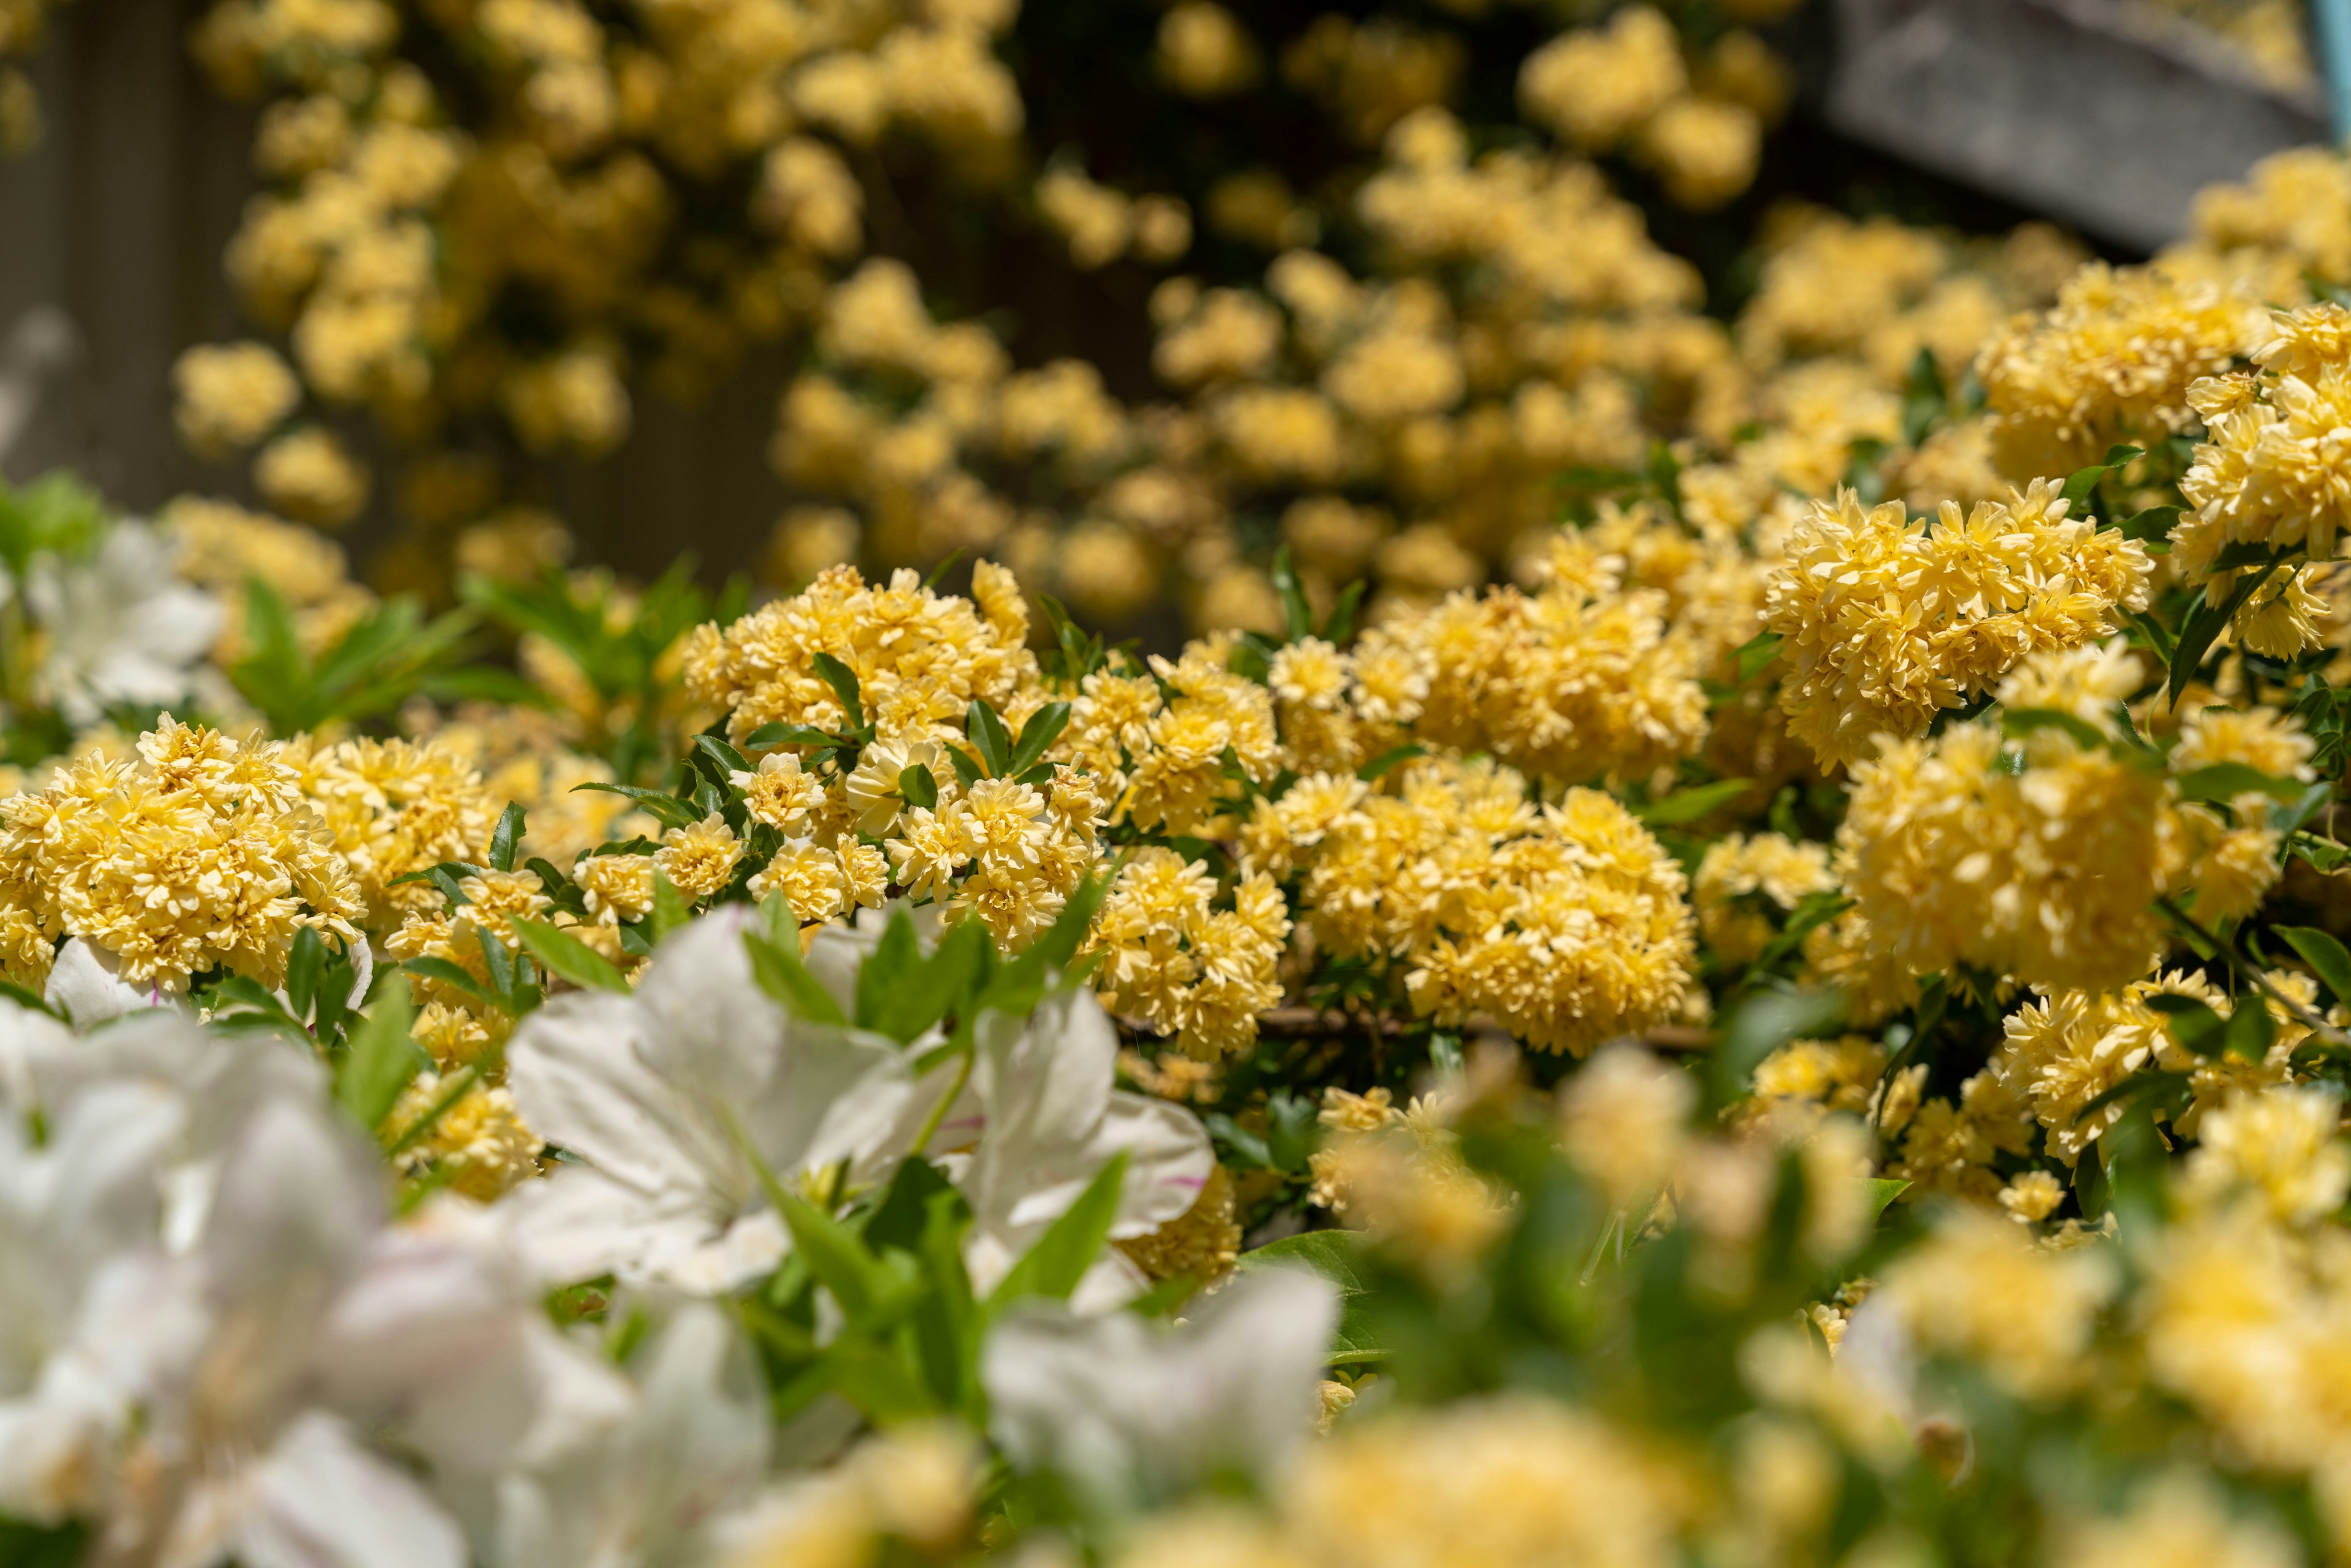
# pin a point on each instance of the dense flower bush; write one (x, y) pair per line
(1733, 955)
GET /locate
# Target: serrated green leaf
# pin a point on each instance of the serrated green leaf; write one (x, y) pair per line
(2198, 1030)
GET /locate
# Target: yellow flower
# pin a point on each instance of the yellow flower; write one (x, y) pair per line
(699, 861)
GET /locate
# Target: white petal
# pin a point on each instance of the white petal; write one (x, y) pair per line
(84, 986)
(708, 1031)
(1168, 1160)
(321, 1501)
(579, 1223)
(581, 1083)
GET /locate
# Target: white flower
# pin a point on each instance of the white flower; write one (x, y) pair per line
(658, 1092)
(635, 1473)
(1038, 1121)
(211, 1329)
(121, 626)
(1133, 1413)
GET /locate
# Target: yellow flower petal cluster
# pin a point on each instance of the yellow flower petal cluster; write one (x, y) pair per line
(1577, 681)
(1173, 960)
(1512, 1482)
(2112, 361)
(394, 807)
(1567, 922)
(2276, 467)
(920, 659)
(2041, 860)
(1888, 621)
(202, 853)
(1743, 882)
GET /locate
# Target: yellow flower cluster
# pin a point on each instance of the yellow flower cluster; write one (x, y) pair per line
(202, 853)
(2042, 859)
(1173, 960)
(222, 547)
(1886, 621)
(1513, 1482)
(1567, 922)
(2112, 362)
(1743, 883)
(391, 808)
(2272, 471)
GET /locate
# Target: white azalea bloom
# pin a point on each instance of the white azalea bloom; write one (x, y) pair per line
(86, 984)
(634, 1473)
(1131, 1412)
(1037, 1122)
(208, 1329)
(659, 1091)
(122, 625)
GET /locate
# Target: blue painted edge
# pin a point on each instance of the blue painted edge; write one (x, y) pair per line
(2334, 20)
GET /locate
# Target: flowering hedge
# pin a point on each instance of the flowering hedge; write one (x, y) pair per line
(1808, 1025)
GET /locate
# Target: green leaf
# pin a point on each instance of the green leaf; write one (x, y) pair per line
(2155, 523)
(947, 981)
(2023, 721)
(382, 1061)
(672, 812)
(968, 770)
(844, 682)
(834, 1254)
(305, 965)
(776, 968)
(1758, 651)
(2198, 1030)
(1044, 727)
(2086, 480)
(2251, 1031)
(508, 834)
(1883, 1191)
(1388, 761)
(987, 731)
(669, 908)
(560, 952)
(1297, 620)
(2291, 819)
(1052, 1267)
(2224, 781)
(1337, 1255)
(1763, 1023)
(448, 974)
(726, 758)
(773, 735)
(2205, 623)
(1689, 805)
(2326, 957)
(1925, 400)
(1340, 625)
(886, 969)
(916, 783)
(2244, 553)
